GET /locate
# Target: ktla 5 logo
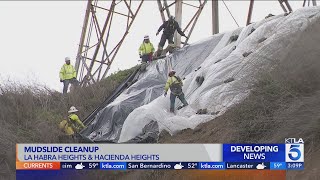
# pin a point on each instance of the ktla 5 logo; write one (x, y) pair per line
(294, 152)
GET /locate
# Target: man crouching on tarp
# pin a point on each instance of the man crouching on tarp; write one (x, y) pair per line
(175, 84)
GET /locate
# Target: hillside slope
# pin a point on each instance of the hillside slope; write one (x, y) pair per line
(283, 102)
(230, 64)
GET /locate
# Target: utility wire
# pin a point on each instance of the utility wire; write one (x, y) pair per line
(230, 13)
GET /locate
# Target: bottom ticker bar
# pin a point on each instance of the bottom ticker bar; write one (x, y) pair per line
(159, 165)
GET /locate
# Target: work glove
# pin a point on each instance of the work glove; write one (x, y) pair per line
(157, 33)
(61, 80)
(165, 94)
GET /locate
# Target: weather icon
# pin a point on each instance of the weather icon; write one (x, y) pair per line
(79, 166)
(261, 166)
(178, 166)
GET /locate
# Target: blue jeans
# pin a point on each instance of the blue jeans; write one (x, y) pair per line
(66, 83)
(173, 100)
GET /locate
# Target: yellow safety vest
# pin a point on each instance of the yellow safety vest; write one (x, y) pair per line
(67, 72)
(77, 124)
(173, 81)
(66, 128)
(146, 48)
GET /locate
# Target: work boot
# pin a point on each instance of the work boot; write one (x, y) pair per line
(170, 50)
(163, 52)
(171, 110)
(159, 52)
(182, 106)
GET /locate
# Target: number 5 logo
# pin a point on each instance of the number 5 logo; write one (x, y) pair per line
(294, 153)
(294, 149)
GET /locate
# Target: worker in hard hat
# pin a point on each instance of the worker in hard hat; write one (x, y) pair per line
(70, 126)
(169, 28)
(68, 75)
(175, 84)
(146, 50)
(76, 124)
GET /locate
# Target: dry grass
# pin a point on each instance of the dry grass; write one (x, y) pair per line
(30, 114)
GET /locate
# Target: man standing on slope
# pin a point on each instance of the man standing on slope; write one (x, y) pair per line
(146, 50)
(175, 84)
(68, 75)
(170, 28)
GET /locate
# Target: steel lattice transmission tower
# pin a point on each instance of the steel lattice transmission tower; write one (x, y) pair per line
(96, 51)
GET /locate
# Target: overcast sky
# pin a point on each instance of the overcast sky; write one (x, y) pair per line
(35, 36)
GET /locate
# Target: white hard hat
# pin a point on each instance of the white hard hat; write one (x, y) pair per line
(146, 37)
(67, 59)
(72, 109)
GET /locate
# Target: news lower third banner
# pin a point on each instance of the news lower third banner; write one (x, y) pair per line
(159, 156)
(118, 152)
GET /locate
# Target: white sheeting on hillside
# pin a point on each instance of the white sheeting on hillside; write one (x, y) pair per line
(215, 95)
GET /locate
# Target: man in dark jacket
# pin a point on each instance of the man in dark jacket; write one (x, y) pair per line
(169, 28)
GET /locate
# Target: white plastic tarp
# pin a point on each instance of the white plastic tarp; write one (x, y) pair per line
(281, 32)
(228, 75)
